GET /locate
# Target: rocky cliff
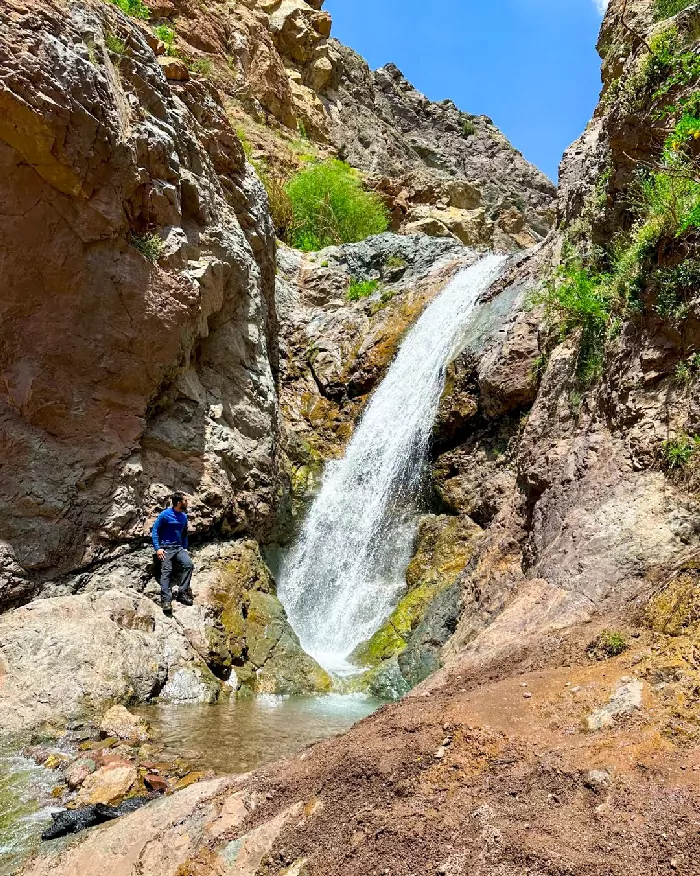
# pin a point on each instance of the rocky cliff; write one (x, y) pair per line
(140, 332)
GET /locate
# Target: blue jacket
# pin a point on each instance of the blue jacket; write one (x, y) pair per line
(170, 528)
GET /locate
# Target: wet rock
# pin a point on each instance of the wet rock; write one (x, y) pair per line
(240, 628)
(444, 547)
(76, 773)
(108, 784)
(119, 722)
(74, 820)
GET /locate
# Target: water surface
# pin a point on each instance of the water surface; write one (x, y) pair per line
(241, 735)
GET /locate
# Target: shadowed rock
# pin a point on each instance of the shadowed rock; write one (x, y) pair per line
(75, 820)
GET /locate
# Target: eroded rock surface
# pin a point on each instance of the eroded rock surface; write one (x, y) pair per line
(124, 376)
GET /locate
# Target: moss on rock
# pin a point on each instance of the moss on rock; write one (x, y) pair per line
(265, 653)
(444, 547)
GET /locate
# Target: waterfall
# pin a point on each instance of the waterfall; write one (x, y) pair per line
(345, 573)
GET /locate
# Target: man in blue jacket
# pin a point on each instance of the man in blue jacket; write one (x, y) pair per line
(169, 536)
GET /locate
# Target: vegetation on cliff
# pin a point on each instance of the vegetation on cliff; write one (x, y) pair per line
(329, 207)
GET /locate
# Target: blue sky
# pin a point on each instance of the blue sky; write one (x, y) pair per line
(530, 65)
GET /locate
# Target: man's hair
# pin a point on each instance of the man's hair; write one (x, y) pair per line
(176, 498)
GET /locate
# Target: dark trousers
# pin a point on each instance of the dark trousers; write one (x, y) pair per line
(175, 571)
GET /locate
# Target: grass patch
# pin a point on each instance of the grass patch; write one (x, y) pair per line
(468, 128)
(134, 8)
(395, 262)
(575, 299)
(114, 44)
(149, 245)
(330, 207)
(679, 451)
(608, 644)
(200, 67)
(359, 289)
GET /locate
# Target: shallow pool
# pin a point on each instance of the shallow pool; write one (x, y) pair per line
(241, 735)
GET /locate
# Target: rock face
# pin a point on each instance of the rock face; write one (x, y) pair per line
(443, 171)
(61, 658)
(139, 335)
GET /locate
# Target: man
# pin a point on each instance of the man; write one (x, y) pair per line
(169, 536)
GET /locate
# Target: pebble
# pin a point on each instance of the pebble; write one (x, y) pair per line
(527, 694)
(523, 684)
(440, 753)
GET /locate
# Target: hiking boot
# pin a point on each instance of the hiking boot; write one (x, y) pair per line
(167, 608)
(185, 598)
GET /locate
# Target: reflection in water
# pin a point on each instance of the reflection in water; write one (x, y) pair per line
(242, 735)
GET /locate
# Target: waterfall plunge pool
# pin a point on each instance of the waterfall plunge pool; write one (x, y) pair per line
(244, 734)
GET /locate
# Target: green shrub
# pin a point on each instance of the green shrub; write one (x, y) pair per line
(673, 286)
(683, 374)
(671, 202)
(680, 450)
(686, 130)
(167, 36)
(576, 299)
(149, 245)
(608, 644)
(330, 207)
(134, 8)
(114, 44)
(361, 289)
(668, 8)
(468, 128)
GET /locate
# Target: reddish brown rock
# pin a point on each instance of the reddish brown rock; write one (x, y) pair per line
(174, 69)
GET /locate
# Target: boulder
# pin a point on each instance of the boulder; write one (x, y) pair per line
(109, 784)
(68, 656)
(174, 68)
(118, 721)
(76, 773)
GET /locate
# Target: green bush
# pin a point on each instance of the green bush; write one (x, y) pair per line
(576, 299)
(167, 36)
(330, 207)
(673, 287)
(680, 450)
(149, 245)
(667, 8)
(134, 8)
(361, 289)
(468, 128)
(608, 644)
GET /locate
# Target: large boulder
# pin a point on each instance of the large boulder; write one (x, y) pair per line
(70, 656)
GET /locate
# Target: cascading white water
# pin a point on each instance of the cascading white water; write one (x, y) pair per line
(346, 571)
